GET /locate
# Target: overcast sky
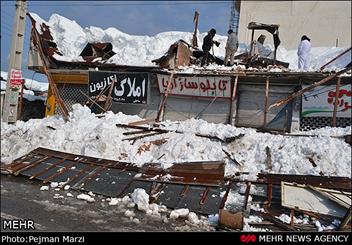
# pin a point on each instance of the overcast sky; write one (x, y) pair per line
(132, 17)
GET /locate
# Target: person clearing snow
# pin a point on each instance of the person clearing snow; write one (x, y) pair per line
(303, 53)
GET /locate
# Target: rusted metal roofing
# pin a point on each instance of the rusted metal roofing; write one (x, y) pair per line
(195, 185)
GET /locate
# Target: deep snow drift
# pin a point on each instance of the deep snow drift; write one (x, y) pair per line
(71, 38)
(89, 135)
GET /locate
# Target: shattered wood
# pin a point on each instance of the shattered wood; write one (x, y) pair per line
(330, 182)
(155, 129)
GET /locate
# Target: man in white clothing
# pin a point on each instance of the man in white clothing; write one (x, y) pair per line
(231, 47)
(303, 53)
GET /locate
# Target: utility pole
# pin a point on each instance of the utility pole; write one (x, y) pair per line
(14, 76)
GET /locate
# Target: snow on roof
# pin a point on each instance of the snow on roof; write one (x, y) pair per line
(136, 50)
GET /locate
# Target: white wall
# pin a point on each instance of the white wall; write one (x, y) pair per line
(322, 21)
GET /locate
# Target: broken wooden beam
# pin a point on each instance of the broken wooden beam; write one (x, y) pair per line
(160, 114)
(338, 56)
(331, 182)
(233, 98)
(52, 83)
(302, 91)
(167, 131)
(135, 132)
(331, 197)
(247, 193)
(345, 220)
(143, 121)
(144, 136)
(271, 218)
(233, 138)
(93, 101)
(232, 158)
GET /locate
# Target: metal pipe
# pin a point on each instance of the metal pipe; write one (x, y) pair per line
(233, 97)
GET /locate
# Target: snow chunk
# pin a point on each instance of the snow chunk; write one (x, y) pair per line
(193, 218)
(179, 213)
(135, 220)
(129, 213)
(114, 201)
(85, 197)
(141, 198)
(58, 196)
(318, 225)
(54, 184)
(44, 188)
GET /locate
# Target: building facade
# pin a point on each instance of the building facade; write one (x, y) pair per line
(327, 23)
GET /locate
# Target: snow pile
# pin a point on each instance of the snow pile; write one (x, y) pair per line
(179, 213)
(89, 135)
(71, 38)
(114, 201)
(44, 188)
(54, 184)
(86, 197)
(287, 219)
(141, 199)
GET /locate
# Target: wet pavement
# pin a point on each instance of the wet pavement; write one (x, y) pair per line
(22, 199)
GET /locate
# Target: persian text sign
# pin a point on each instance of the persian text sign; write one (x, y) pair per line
(16, 78)
(196, 86)
(320, 101)
(128, 87)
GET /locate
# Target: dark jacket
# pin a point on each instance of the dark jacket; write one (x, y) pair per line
(207, 42)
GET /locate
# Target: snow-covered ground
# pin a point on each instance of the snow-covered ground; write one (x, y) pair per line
(71, 38)
(89, 135)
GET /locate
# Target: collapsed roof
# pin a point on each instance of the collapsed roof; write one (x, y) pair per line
(181, 53)
(97, 50)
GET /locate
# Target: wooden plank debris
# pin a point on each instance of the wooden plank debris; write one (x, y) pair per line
(302, 91)
(311, 199)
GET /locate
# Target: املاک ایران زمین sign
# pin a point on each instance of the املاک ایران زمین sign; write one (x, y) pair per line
(127, 87)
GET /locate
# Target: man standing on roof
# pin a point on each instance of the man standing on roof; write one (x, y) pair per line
(303, 53)
(207, 45)
(231, 47)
